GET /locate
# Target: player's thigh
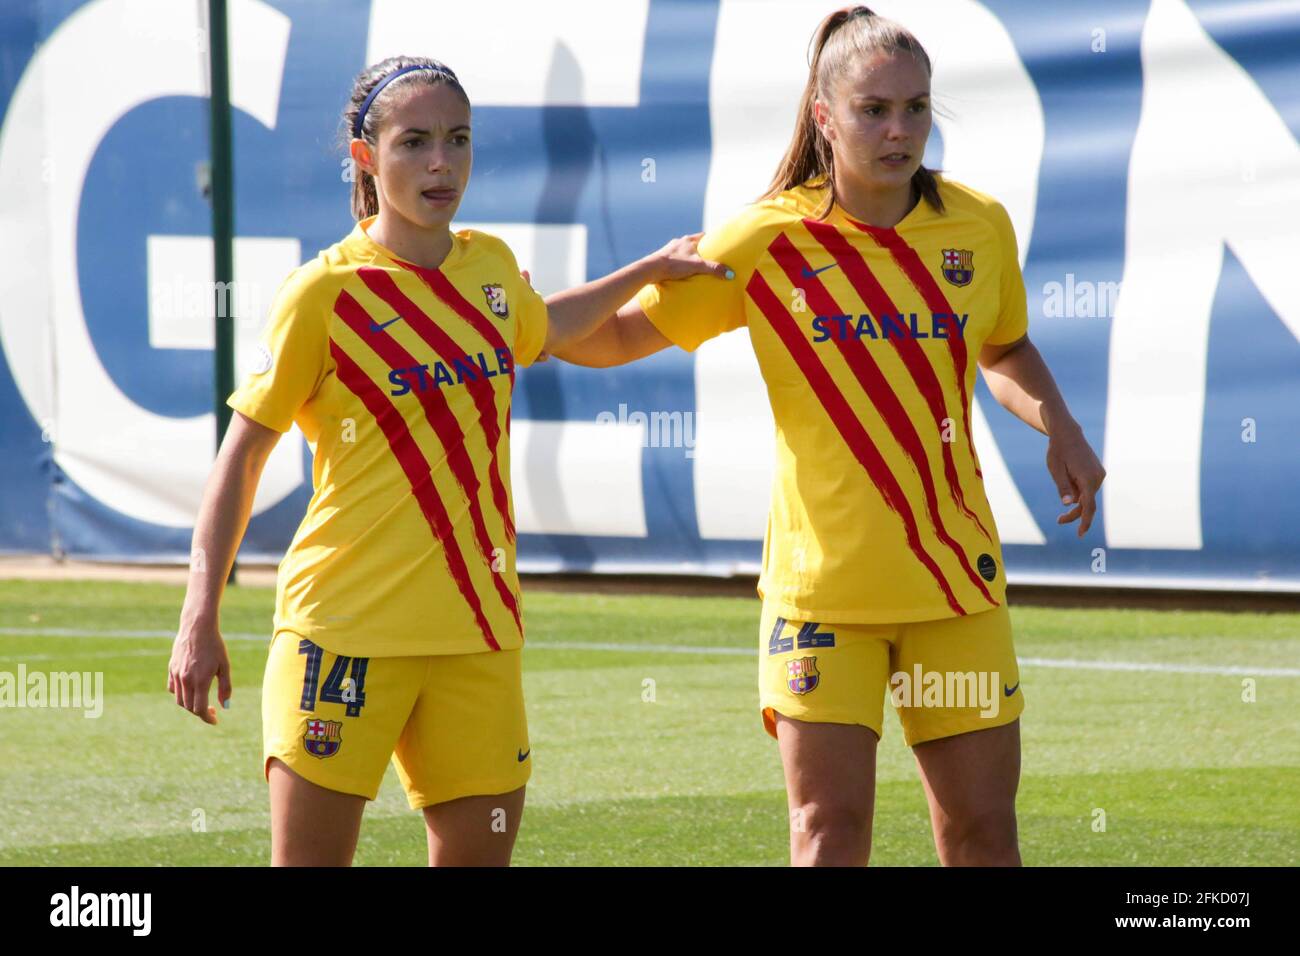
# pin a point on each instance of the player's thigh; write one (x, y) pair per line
(830, 772)
(959, 698)
(474, 831)
(311, 825)
(971, 779)
(821, 694)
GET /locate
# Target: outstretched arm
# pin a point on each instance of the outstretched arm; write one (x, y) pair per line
(574, 314)
(628, 336)
(1022, 383)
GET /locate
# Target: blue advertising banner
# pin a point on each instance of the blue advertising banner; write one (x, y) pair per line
(1146, 151)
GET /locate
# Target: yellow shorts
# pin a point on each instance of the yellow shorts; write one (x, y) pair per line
(452, 724)
(944, 677)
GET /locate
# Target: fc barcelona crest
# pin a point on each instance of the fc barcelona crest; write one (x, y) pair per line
(496, 300)
(958, 266)
(802, 676)
(323, 737)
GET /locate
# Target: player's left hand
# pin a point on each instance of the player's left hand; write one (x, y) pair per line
(1078, 474)
(680, 259)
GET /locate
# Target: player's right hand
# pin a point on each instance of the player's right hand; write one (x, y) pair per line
(198, 655)
(680, 259)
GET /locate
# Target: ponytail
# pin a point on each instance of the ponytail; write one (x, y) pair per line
(926, 184)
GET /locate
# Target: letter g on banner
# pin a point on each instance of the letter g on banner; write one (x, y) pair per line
(148, 466)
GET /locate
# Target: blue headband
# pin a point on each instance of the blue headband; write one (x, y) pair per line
(370, 97)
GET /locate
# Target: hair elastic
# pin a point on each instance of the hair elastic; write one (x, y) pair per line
(370, 97)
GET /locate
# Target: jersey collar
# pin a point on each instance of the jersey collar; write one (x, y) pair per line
(813, 199)
(369, 248)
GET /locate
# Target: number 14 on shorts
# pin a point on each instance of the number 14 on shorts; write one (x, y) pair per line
(338, 688)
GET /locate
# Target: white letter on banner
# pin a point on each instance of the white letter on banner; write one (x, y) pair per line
(521, 53)
(147, 466)
(578, 478)
(1188, 198)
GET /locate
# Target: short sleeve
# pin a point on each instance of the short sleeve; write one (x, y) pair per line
(291, 355)
(1013, 317)
(691, 311)
(530, 322)
(529, 308)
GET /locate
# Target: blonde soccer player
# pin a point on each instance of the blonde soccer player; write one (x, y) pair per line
(398, 623)
(871, 288)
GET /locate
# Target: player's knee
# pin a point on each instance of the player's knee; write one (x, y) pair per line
(830, 832)
(982, 838)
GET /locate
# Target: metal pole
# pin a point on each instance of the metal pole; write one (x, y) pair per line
(223, 217)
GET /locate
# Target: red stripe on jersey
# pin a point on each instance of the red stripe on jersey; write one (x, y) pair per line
(873, 294)
(441, 286)
(445, 426)
(878, 391)
(416, 467)
(481, 391)
(935, 301)
(842, 417)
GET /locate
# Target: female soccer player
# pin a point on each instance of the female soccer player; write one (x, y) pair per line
(397, 624)
(871, 287)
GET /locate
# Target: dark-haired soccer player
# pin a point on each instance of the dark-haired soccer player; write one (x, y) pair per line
(398, 623)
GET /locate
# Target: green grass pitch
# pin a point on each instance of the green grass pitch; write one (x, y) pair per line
(1186, 771)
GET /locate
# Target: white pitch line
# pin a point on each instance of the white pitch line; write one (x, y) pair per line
(82, 632)
(160, 653)
(1164, 668)
(1024, 661)
(639, 648)
(1061, 664)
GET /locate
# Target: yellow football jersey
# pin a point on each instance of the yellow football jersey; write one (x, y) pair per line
(400, 377)
(867, 340)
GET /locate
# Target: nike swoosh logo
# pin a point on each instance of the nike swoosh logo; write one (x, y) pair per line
(378, 327)
(1010, 690)
(809, 273)
(523, 754)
